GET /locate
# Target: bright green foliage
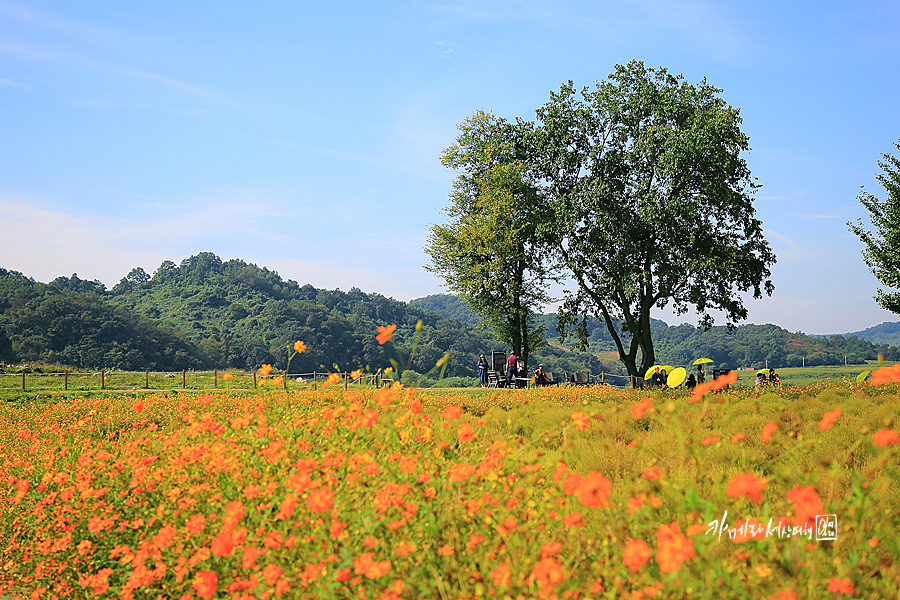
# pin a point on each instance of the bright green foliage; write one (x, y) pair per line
(882, 251)
(652, 203)
(489, 252)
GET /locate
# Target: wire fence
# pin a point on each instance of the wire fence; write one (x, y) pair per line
(187, 380)
(237, 380)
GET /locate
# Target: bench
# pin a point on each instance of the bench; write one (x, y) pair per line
(578, 379)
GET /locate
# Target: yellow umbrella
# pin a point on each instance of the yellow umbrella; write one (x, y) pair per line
(649, 372)
(763, 371)
(862, 376)
(702, 361)
(676, 377)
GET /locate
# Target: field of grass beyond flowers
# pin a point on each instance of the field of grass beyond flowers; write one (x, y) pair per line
(446, 494)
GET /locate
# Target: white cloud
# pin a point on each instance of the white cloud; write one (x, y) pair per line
(11, 83)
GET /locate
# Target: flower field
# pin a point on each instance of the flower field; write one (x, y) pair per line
(552, 493)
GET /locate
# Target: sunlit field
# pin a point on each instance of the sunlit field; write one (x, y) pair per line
(584, 492)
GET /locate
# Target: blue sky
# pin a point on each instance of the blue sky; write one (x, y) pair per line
(306, 136)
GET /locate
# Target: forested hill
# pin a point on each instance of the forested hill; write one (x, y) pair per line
(745, 346)
(206, 313)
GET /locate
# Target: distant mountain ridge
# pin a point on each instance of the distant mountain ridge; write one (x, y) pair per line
(885, 333)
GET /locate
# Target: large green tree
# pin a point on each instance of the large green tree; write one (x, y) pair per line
(882, 251)
(653, 204)
(488, 252)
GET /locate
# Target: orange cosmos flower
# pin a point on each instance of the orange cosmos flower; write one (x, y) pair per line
(574, 519)
(465, 433)
(886, 437)
(593, 490)
(385, 333)
(886, 374)
(736, 438)
(709, 440)
(768, 430)
(638, 410)
(843, 586)
(635, 555)
(356, 374)
(829, 418)
(550, 549)
(548, 572)
(501, 574)
(223, 544)
(461, 472)
(299, 347)
(674, 548)
(137, 406)
(807, 504)
(333, 378)
(227, 376)
(273, 540)
(277, 380)
(746, 484)
(205, 583)
(445, 550)
(581, 419)
(320, 499)
(508, 526)
(265, 370)
(653, 473)
(451, 412)
(784, 594)
(234, 512)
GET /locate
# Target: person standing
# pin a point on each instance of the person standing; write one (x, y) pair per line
(483, 371)
(700, 377)
(511, 372)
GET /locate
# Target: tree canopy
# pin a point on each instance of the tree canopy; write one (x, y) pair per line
(882, 245)
(636, 189)
(489, 251)
(652, 202)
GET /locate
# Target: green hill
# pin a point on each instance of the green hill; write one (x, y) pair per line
(206, 313)
(886, 333)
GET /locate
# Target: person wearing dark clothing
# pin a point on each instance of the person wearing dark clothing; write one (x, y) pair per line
(691, 382)
(483, 371)
(540, 376)
(700, 377)
(511, 371)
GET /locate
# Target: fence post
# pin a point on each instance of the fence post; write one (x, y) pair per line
(632, 381)
(602, 379)
(102, 379)
(315, 378)
(67, 380)
(147, 379)
(23, 381)
(183, 378)
(254, 380)
(345, 381)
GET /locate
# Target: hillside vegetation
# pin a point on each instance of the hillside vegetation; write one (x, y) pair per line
(206, 313)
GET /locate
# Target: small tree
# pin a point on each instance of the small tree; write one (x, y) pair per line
(882, 246)
(652, 204)
(488, 252)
